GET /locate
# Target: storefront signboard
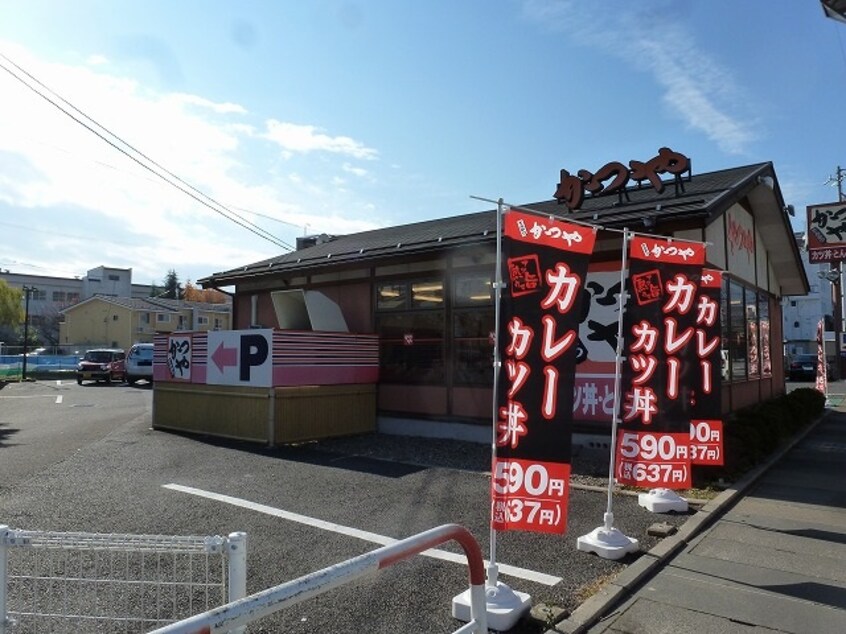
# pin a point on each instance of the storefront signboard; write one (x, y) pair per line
(240, 357)
(827, 232)
(615, 177)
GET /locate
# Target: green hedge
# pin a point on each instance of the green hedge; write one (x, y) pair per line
(753, 433)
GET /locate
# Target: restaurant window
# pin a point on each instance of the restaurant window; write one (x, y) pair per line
(391, 296)
(724, 332)
(427, 294)
(737, 331)
(764, 335)
(753, 355)
(473, 329)
(410, 325)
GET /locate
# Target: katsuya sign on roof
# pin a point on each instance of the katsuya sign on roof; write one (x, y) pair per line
(572, 188)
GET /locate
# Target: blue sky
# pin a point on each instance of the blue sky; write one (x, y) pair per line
(339, 116)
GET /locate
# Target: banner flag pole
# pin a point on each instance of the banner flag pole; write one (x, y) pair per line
(503, 606)
(607, 541)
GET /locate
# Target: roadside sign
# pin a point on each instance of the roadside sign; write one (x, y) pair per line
(827, 232)
(240, 357)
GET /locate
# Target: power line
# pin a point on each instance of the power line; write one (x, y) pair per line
(180, 184)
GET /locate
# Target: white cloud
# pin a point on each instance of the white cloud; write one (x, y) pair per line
(357, 171)
(696, 88)
(220, 108)
(307, 138)
(113, 212)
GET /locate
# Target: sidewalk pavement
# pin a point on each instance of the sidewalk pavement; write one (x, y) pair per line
(768, 555)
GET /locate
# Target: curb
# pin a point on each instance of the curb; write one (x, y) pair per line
(601, 604)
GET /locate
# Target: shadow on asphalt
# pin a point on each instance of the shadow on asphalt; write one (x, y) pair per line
(811, 591)
(307, 455)
(5, 432)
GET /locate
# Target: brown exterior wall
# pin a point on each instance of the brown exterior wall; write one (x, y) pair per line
(472, 402)
(777, 337)
(356, 303)
(240, 312)
(423, 400)
(743, 394)
(766, 389)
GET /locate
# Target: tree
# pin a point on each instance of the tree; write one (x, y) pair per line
(11, 305)
(172, 287)
(49, 327)
(207, 295)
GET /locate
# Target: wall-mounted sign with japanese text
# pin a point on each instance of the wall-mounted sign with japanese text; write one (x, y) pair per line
(179, 357)
(827, 232)
(706, 426)
(544, 264)
(662, 375)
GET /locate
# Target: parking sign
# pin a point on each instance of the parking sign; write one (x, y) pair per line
(240, 357)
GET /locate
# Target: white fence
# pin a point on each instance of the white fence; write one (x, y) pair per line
(88, 582)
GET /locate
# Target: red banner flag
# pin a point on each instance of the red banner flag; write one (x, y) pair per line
(662, 375)
(545, 263)
(706, 425)
(822, 370)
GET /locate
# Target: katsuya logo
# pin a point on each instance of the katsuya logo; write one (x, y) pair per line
(572, 187)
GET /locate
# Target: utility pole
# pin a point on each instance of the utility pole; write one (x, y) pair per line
(27, 291)
(836, 283)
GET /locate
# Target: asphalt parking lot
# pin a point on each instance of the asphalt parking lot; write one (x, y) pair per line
(84, 458)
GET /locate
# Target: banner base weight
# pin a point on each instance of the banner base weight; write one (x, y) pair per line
(662, 501)
(608, 543)
(504, 606)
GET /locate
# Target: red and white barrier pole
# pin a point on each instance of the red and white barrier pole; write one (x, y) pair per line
(266, 602)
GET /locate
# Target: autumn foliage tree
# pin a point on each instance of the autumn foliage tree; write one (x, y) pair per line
(207, 295)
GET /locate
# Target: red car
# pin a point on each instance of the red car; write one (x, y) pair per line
(102, 364)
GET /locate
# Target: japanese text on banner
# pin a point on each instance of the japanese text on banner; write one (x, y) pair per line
(706, 426)
(544, 265)
(662, 375)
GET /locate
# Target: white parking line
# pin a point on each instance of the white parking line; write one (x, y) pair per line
(505, 569)
(59, 399)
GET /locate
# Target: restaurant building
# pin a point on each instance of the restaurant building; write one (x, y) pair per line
(426, 290)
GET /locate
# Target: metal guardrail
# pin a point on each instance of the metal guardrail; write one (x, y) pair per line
(261, 604)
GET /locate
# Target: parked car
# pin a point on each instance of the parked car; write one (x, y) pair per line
(139, 363)
(803, 367)
(102, 364)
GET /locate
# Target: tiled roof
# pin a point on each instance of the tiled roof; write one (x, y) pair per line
(181, 304)
(704, 195)
(154, 304)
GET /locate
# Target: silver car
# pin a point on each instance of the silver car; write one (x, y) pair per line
(139, 363)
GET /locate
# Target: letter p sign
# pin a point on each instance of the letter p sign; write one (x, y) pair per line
(254, 353)
(240, 357)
